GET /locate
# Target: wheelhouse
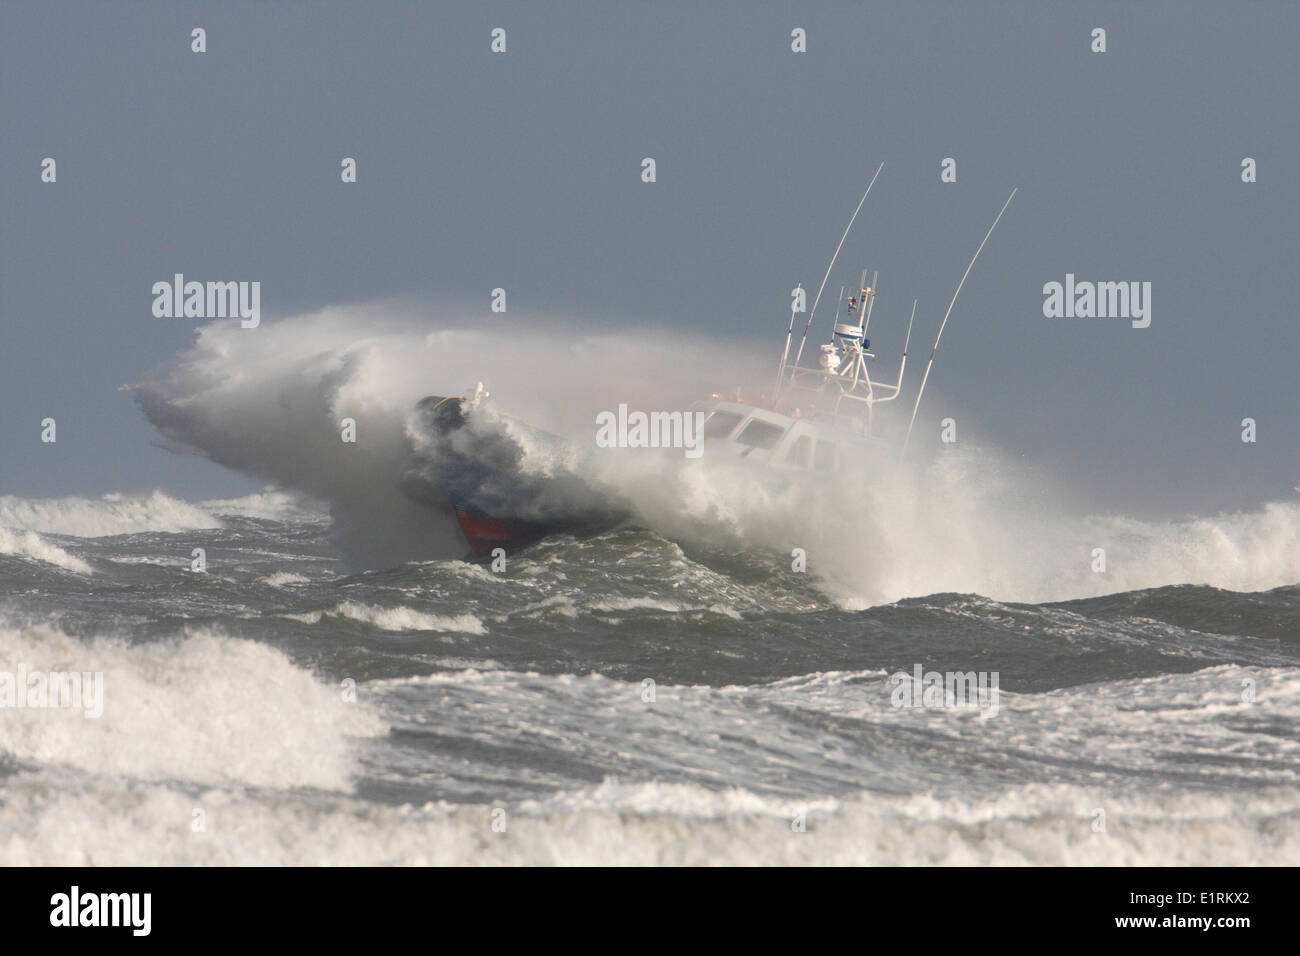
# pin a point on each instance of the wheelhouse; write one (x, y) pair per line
(776, 439)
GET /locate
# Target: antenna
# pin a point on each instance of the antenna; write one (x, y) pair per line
(902, 363)
(828, 273)
(926, 376)
(780, 374)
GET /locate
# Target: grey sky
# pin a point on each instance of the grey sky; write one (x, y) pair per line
(523, 171)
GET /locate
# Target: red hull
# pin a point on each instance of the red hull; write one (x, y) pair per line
(484, 534)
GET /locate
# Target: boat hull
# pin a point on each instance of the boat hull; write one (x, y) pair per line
(497, 503)
(484, 534)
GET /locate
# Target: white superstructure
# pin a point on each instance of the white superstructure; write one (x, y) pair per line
(818, 413)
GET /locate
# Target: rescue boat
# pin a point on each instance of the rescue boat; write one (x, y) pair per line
(820, 418)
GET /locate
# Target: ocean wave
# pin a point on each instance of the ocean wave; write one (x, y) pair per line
(398, 618)
(972, 520)
(99, 517)
(106, 823)
(28, 544)
(284, 578)
(204, 707)
(269, 505)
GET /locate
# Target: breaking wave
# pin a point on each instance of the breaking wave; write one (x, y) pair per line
(396, 618)
(28, 544)
(269, 505)
(99, 517)
(106, 825)
(271, 402)
(203, 708)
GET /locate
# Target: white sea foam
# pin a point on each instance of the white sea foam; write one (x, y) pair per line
(106, 823)
(97, 517)
(271, 504)
(398, 618)
(29, 544)
(271, 404)
(197, 711)
(638, 604)
(204, 708)
(968, 521)
(284, 578)
(612, 605)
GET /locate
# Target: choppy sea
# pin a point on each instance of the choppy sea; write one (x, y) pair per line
(618, 699)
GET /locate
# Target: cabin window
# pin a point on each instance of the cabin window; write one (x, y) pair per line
(760, 434)
(799, 452)
(824, 456)
(720, 424)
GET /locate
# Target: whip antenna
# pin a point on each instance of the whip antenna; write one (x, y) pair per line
(928, 364)
(789, 331)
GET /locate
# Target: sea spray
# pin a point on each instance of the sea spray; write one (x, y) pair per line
(270, 402)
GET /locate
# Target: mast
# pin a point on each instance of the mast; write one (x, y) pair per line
(867, 291)
(831, 266)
